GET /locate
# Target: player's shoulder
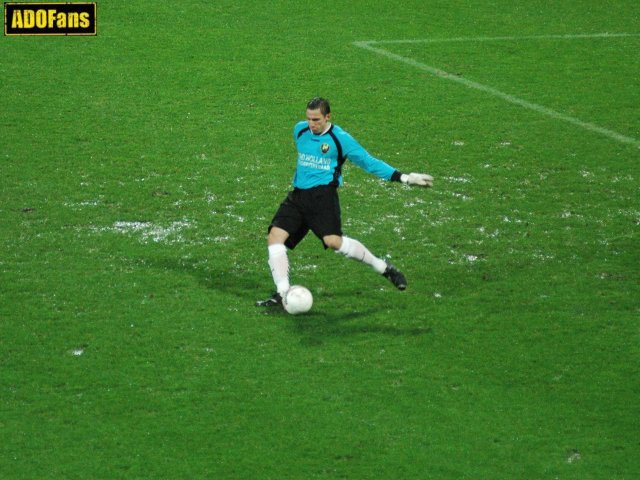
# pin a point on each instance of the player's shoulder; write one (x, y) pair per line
(341, 133)
(298, 127)
(338, 130)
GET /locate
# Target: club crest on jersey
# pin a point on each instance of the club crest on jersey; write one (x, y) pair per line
(325, 147)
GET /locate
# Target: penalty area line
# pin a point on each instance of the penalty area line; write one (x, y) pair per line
(369, 45)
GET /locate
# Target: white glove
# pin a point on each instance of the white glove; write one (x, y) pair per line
(421, 179)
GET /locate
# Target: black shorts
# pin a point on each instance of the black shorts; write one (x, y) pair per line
(316, 209)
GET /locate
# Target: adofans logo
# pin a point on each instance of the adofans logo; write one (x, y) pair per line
(50, 18)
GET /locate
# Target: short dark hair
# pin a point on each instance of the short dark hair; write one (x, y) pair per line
(319, 103)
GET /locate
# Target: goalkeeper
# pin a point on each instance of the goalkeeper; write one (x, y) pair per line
(313, 204)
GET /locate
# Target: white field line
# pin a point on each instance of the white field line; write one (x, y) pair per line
(369, 45)
(504, 39)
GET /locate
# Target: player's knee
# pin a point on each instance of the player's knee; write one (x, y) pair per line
(277, 235)
(334, 242)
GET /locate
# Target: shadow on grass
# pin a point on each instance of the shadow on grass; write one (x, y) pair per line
(312, 327)
(315, 326)
(232, 281)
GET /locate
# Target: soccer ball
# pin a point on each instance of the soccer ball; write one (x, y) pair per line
(298, 299)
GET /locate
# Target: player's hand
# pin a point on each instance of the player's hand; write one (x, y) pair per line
(420, 179)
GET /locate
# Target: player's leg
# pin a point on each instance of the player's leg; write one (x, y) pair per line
(279, 265)
(287, 219)
(352, 248)
(326, 223)
(278, 258)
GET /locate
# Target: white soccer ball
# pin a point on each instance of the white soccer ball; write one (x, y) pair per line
(298, 299)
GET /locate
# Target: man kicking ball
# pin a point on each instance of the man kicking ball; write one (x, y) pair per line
(313, 203)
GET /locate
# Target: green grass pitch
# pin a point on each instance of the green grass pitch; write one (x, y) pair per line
(140, 169)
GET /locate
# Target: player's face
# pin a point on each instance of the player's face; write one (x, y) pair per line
(317, 121)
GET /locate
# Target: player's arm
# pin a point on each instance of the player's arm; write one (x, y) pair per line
(358, 155)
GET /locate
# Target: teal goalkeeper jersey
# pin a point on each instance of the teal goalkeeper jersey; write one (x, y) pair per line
(320, 157)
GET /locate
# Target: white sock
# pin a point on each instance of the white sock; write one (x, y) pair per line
(279, 263)
(352, 248)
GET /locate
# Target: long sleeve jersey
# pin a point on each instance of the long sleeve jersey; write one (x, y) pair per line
(320, 157)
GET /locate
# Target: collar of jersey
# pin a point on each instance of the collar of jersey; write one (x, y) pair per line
(325, 132)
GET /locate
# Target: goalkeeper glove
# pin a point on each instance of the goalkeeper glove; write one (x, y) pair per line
(421, 179)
